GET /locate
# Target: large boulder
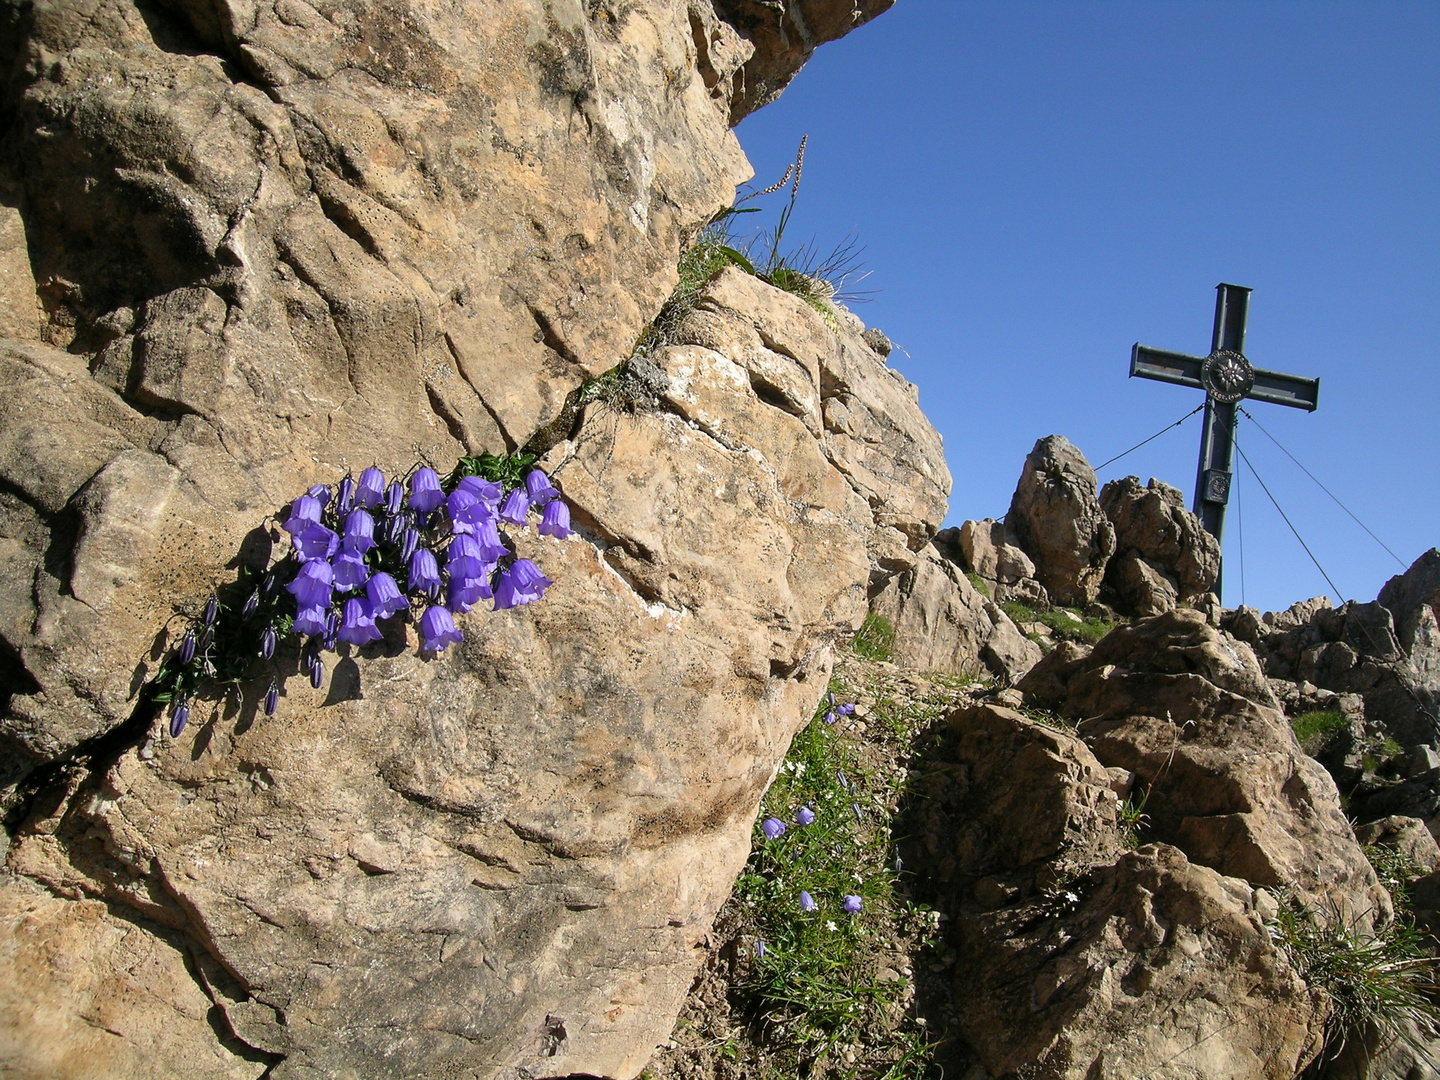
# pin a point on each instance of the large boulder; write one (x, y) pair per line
(1056, 518)
(1163, 555)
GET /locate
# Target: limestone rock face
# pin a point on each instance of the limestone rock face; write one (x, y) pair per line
(1078, 959)
(1055, 516)
(248, 248)
(1187, 709)
(943, 624)
(1163, 555)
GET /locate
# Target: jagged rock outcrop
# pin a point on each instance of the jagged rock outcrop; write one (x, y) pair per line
(272, 243)
(986, 549)
(1078, 959)
(1055, 517)
(1163, 555)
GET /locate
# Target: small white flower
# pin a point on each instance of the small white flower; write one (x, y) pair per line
(830, 925)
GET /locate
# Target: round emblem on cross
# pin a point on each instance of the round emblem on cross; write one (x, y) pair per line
(1227, 376)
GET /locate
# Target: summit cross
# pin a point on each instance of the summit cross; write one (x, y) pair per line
(1227, 379)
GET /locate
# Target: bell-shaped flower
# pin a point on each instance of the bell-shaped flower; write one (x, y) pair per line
(186, 652)
(463, 558)
(556, 519)
(773, 828)
(805, 816)
(465, 593)
(423, 574)
(272, 699)
(385, 596)
(537, 487)
(345, 501)
(358, 624)
(425, 493)
(309, 620)
(371, 488)
(211, 613)
(487, 535)
(332, 631)
(852, 905)
(315, 542)
(487, 491)
(394, 497)
(394, 528)
(321, 494)
(409, 541)
(317, 674)
(179, 718)
(437, 629)
(312, 584)
(807, 902)
(251, 605)
(267, 642)
(359, 532)
(304, 511)
(350, 571)
(206, 640)
(517, 505)
(520, 583)
(466, 511)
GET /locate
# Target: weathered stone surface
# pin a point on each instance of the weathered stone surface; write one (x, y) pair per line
(1163, 555)
(986, 550)
(1078, 960)
(1055, 516)
(1188, 710)
(943, 624)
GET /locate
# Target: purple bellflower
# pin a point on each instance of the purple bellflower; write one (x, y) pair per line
(394, 497)
(303, 511)
(394, 528)
(465, 593)
(272, 699)
(350, 571)
(408, 543)
(252, 605)
(187, 647)
(805, 816)
(437, 629)
(359, 532)
(309, 620)
(371, 488)
(425, 493)
(556, 520)
(312, 584)
(315, 542)
(358, 625)
(267, 642)
(345, 501)
(520, 583)
(773, 828)
(206, 640)
(517, 505)
(852, 905)
(317, 673)
(423, 573)
(487, 491)
(211, 613)
(487, 535)
(537, 487)
(179, 718)
(807, 902)
(463, 558)
(759, 950)
(321, 494)
(385, 596)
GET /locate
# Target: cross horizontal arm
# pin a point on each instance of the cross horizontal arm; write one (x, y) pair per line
(1280, 389)
(1172, 367)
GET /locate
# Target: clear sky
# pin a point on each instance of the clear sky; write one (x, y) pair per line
(1037, 186)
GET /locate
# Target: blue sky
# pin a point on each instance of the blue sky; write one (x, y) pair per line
(1037, 186)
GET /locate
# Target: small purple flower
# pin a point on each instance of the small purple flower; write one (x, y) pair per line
(304, 511)
(458, 505)
(830, 717)
(252, 605)
(463, 558)
(350, 571)
(315, 542)
(487, 491)
(846, 709)
(425, 493)
(465, 593)
(267, 642)
(487, 535)
(423, 573)
(394, 527)
(805, 816)
(385, 596)
(187, 647)
(179, 717)
(517, 505)
(309, 620)
(537, 487)
(358, 625)
(206, 640)
(317, 673)
(321, 494)
(211, 613)
(270, 586)
(272, 699)
(437, 629)
(345, 501)
(359, 532)
(312, 584)
(807, 902)
(521, 583)
(332, 632)
(408, 543)
(852, 905)
(773, 828)
(371, 488)
(394, 497)
(556, 520)
(759, 950)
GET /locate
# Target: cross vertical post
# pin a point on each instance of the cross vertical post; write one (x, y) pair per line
(1227, 378)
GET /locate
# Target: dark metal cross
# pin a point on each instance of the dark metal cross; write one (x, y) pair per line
(1227, 378)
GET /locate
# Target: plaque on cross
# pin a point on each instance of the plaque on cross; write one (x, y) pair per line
(1227, 379)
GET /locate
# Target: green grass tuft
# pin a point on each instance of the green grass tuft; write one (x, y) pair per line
(980, 585)
(1315, 729)
(874, 639)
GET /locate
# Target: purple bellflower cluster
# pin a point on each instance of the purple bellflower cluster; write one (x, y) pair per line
(369, 551)
(772, 828)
